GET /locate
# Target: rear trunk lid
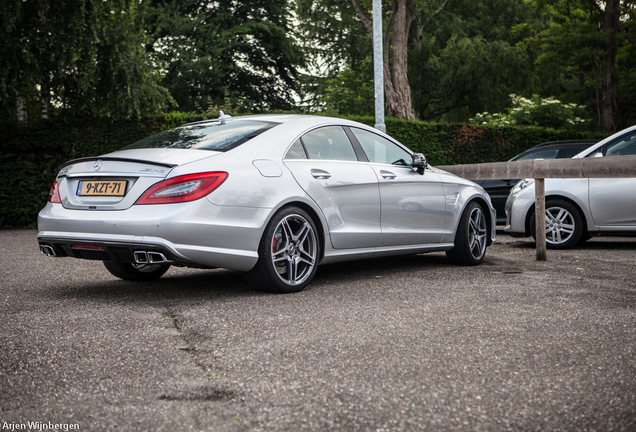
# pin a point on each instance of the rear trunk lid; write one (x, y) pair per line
(115, 181)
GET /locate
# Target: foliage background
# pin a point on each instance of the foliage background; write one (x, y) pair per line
(30, 157)
(85, 77)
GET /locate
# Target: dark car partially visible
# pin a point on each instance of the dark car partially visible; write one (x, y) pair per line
(500, 189)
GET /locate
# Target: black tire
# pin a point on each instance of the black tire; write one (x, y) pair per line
(471, 238)
(564, 225)
(136, 272)
(288, 253)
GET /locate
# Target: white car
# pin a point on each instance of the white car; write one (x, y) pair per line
(576, 209)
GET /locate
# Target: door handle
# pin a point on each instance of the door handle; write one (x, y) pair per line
(320, 174)
(388, 175)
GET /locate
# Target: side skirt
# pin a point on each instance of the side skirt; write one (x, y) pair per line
(337, 255)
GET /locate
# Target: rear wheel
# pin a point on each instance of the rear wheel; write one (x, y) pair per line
(563, 224)
(471, 237)
(288, 253)
(136, 272)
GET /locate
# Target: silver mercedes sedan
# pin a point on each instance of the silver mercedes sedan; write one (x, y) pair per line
(273, 196)
(577, 209)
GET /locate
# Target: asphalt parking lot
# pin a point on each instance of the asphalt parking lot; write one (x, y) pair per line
(401, 344)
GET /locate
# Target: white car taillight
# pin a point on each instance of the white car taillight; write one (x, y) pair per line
(183, 188)
(54, 194)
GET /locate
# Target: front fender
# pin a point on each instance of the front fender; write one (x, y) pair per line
(458, 193)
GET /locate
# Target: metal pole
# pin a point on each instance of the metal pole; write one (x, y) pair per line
(378, 66)
(539, 216)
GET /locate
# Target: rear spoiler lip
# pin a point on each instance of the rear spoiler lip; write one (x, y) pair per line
(118, 159)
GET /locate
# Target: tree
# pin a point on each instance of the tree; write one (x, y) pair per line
(463, 58)
(468, 59)
(337, 49)
(87, 55)
(584, 40)
(397, 90)
(350, 92)
(239, 52)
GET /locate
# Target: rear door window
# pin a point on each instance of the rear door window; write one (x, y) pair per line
(328, 143)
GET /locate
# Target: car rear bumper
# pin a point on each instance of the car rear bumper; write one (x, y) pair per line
(154, 250)
(57, 245)
(186, 234)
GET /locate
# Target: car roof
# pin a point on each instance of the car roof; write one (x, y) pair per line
(601, 143)
(557, 145)
(289, 126)
(564, 143)
(298, 122)
(279, 118)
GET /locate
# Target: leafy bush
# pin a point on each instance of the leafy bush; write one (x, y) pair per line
(547, 112)
(30, 157)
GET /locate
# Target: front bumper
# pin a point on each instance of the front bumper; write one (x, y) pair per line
(517, 207)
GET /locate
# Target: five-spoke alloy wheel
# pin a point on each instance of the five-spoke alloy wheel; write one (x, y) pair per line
(471, 238)
(288, 253)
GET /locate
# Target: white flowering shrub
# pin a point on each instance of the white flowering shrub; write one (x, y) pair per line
(546, 112)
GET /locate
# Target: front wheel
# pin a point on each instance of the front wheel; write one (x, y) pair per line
(563, 224)
(471, 237)
(288, 253)
(136, 272)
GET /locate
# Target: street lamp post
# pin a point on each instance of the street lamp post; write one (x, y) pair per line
(378, 66)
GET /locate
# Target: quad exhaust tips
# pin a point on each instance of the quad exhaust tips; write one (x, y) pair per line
(140, 257)
(143, 257)
(48, 250)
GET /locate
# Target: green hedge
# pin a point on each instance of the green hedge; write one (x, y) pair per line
(30, 157)
(460, 143)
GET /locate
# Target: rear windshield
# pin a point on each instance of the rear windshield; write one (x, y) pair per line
(205, 136)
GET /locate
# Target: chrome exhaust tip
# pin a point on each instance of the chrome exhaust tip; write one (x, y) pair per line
(143, 257)
(48, 250)
(156, 257)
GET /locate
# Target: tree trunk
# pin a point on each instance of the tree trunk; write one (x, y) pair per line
(397, 90)
(22, 112)
(45, 85)
(45, 99)
(609, 94)
(400, 106)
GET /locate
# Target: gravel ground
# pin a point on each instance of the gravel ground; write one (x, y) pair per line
(400, 344)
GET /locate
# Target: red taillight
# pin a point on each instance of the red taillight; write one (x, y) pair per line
(54, 194)
(183, 188)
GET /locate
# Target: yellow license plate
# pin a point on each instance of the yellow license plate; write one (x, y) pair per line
(101, 188)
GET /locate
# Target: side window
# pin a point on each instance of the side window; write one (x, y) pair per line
(296, 151)
(623, 147)
(570, 152)
(380, 150)
(542, 154)
(330, 142)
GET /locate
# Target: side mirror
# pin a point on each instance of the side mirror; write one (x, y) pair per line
(419, 163)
